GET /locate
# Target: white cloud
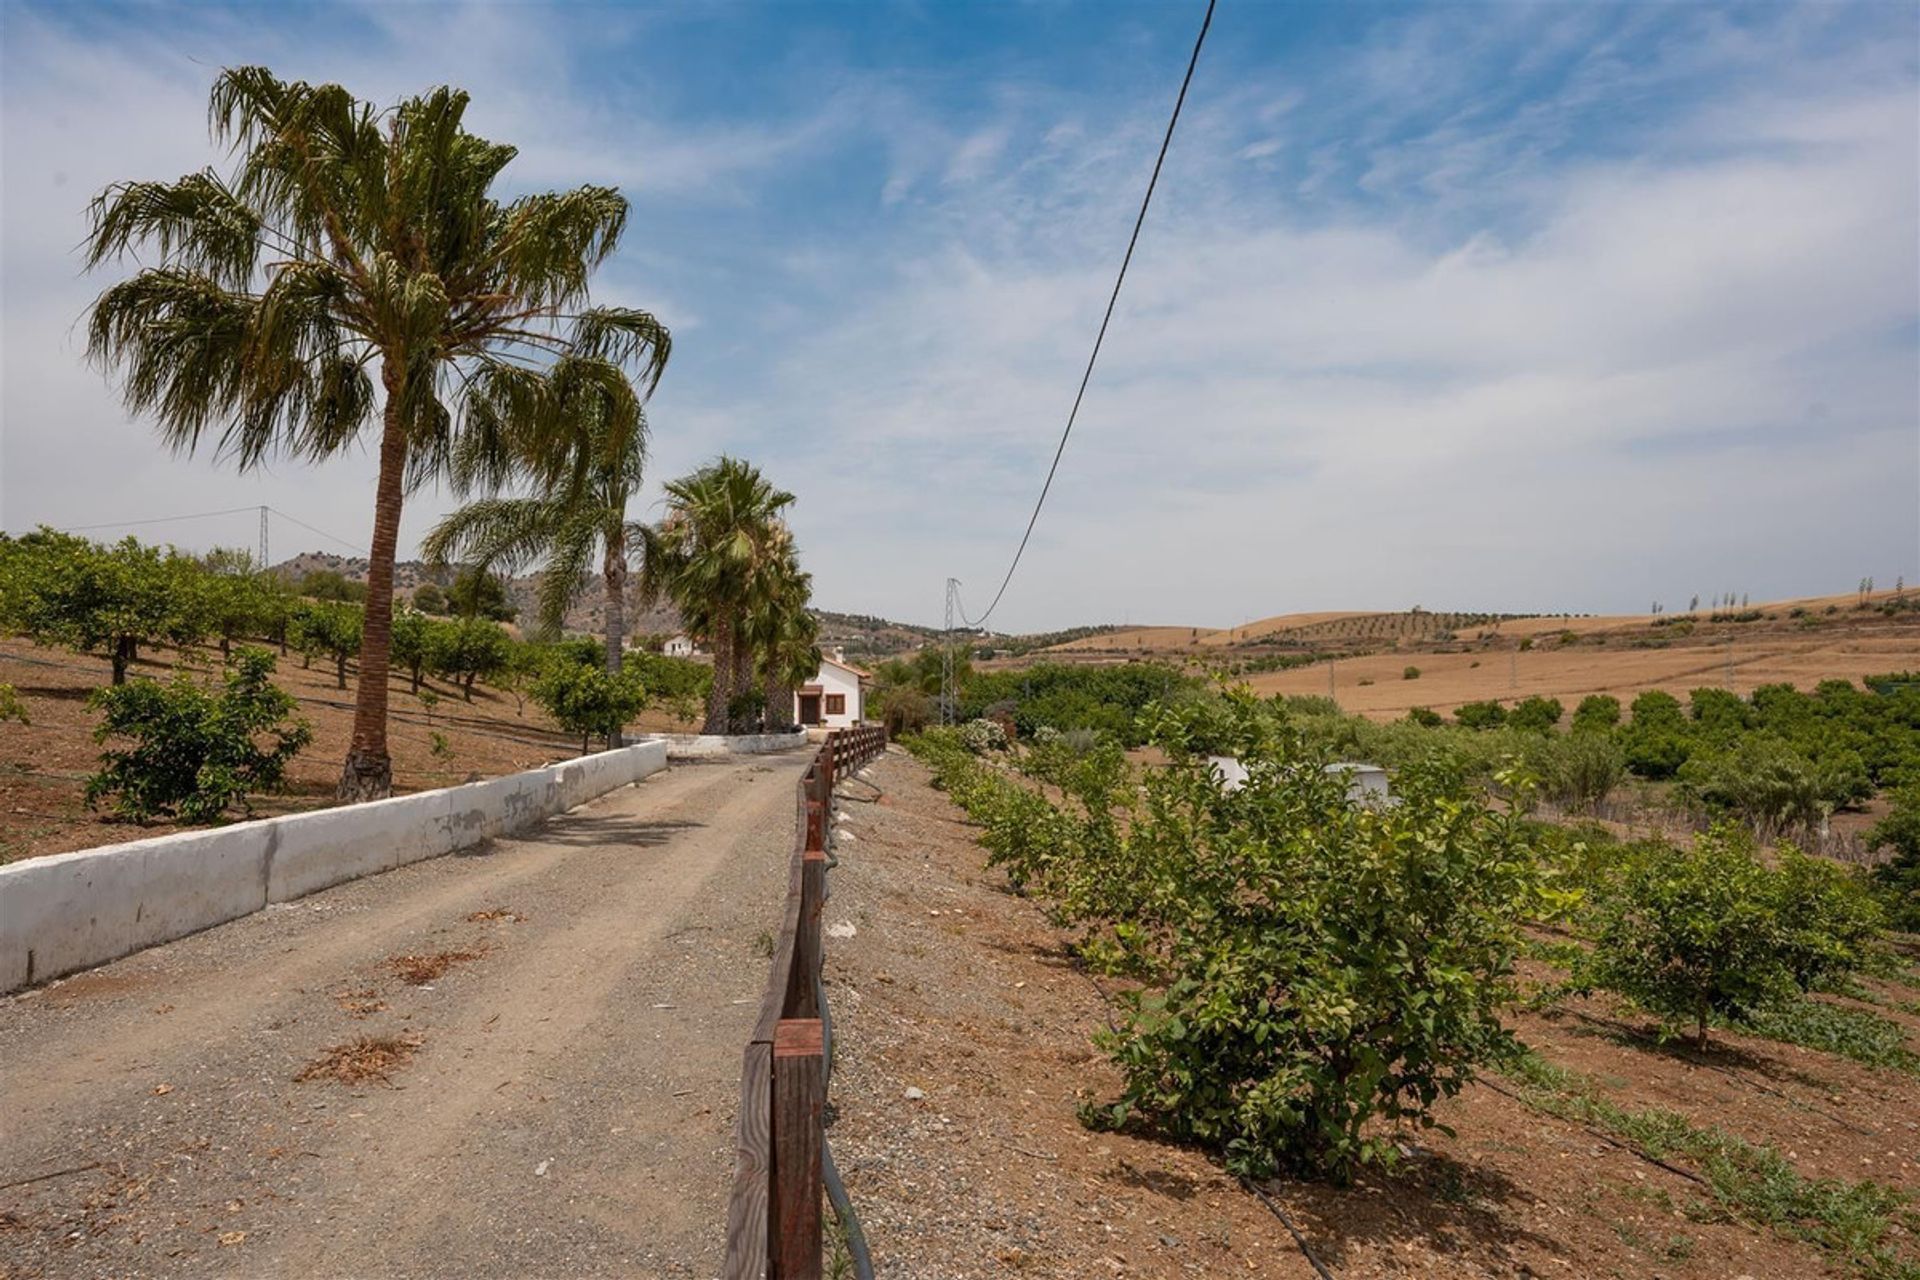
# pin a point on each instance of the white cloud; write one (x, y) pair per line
(1388, 338)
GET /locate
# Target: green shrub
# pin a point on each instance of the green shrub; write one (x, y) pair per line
(1707, 931)
(582, 698)
(1535, 714)
(12, 707)
(1658, 708)
(982, 736)
(1410, 673)
(1767, 784)
(196, 753)
(332, 586)
(1597, 711)
(429, 598)
(1831, 918)
(1425, 717)
(1578, 770)
(1898, 879)
(1109, 699)
(1655, 752)
(1327, 965)
(1480, 715)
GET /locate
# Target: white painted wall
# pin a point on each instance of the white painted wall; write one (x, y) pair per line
(694, 746)
(75, 910)
(834, 678)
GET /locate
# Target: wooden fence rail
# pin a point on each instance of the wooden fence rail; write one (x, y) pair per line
(773, 1210)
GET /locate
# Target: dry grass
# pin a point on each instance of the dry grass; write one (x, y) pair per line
(419, 970)
(484, 917)
(358, 1061)
(1372, 685)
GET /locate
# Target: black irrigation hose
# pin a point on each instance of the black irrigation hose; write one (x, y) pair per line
(1599, 1133)
(1319, 1267)
(829, 1174)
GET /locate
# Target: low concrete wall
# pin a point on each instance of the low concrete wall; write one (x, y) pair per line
(75, 910)
(693, 746)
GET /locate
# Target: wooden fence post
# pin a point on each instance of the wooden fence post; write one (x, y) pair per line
(799, 1096)
(806, 947)
(747, 1207)
(816, 825)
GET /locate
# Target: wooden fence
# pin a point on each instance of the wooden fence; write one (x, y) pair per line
(773, 1212)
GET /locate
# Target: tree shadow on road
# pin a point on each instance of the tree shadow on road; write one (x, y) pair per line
(594, 831)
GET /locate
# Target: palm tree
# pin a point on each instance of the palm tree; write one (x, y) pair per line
(783, 635)
(579, 485)
(722, 528)
(347, 238)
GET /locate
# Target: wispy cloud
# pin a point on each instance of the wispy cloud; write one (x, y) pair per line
(1574, 309)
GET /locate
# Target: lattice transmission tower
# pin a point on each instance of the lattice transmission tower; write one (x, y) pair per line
(949, 694)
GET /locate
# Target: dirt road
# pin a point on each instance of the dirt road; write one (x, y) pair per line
(562, 1098)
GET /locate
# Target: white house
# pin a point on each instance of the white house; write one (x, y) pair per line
(834, 698)
(678, 647)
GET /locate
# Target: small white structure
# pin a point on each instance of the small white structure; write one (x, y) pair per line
(834, 698)
(678, 647)
(1366, 783)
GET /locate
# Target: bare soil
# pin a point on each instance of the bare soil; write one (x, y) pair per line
(44, 764)
(953, 987)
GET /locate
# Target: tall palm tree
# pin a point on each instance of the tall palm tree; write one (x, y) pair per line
(581, 465)
(721, 528)
(783, 635)
(346, 238)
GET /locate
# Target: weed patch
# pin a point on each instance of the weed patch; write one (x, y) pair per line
(1831, 1028)
(1853, 1220)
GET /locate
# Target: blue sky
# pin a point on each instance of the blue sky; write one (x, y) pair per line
(1507, 306)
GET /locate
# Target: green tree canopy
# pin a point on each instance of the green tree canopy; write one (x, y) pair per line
(347, 243)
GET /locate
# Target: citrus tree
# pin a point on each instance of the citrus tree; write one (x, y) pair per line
(329, 630)
(583, 698)
(467, 650)
(63, 590)
(192, 752)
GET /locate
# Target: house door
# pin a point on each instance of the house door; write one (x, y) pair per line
(809, 708)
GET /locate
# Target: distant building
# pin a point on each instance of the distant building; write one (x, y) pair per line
(835, 697)
(678, 647)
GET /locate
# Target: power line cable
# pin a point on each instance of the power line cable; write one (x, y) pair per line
(353, 547)
(1107, 319)
(128, 524)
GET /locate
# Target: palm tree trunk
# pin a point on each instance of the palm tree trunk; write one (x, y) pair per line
(779, 700)
(614, 570)
(368, 771)
(742, 672)
(722, 691)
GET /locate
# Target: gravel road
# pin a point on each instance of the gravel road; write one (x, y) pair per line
(564, 1101)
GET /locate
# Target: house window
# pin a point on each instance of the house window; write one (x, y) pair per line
(836, 704)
